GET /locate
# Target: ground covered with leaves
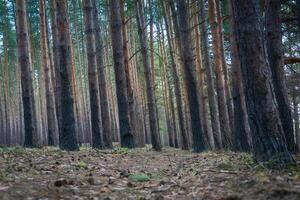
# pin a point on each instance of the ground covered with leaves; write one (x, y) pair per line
(50, 173)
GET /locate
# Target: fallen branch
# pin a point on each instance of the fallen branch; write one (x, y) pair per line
(291, 60)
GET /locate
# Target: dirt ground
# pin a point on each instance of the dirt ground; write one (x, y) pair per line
(50, 173)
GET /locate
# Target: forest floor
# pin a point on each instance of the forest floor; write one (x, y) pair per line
(50, 173)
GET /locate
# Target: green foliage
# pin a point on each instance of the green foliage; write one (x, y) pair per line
(139, 177)
(247, 160)
(122, 150)
(17, 150)
(225, 164)
(81, 165)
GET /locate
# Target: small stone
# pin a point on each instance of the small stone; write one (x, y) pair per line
(60, 182)
(129, 184)
(111, 180)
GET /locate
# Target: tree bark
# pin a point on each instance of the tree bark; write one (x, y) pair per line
(275, 58)
(241, 131)
(68, 140)
(296, 119)
(213, 107)
(50, 99)
(225, 68)
(200, 74)
(118, 57)
(31, 137)
(57, 89)
(190, 76)
(97, 134)
(175, 73)
(222, 103)
(153, 117)
(107, 132)
(267, 132)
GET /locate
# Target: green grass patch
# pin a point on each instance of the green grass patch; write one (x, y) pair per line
(139, 177)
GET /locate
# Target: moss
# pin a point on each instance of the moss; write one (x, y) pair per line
(139, 177)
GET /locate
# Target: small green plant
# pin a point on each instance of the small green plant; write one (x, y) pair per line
(81, 164)
(139, 177)
(122, 150)
(247, 160)
(19, 149)
(225, 164)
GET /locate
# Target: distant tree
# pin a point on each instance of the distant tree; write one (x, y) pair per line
(154, 126)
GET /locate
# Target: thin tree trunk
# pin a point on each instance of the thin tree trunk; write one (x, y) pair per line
(223, 111)
(166, 95)
(225, 68)
(6, 77)
(153, 117)
(176, 82)
(50, 99)
(200, 73)
(57, 89)
(296, 119)
(213, 106)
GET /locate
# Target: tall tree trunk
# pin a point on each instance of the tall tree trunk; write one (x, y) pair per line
(118, 57)
(154, 126)
(107, 132)
(275, 57)
(31, 137)
(241, 131)
(50, 99)
(222, 103)
(2, 108)
(296, 119)
(200, 74)
(97, 137)
(57, 89)
(267, 132)
(213, 107)
(176, 81)
(68, 140)
(225, 68)
(298, 12)
(6, 77)
(190, 76)
(133, 116)
(166, 86)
